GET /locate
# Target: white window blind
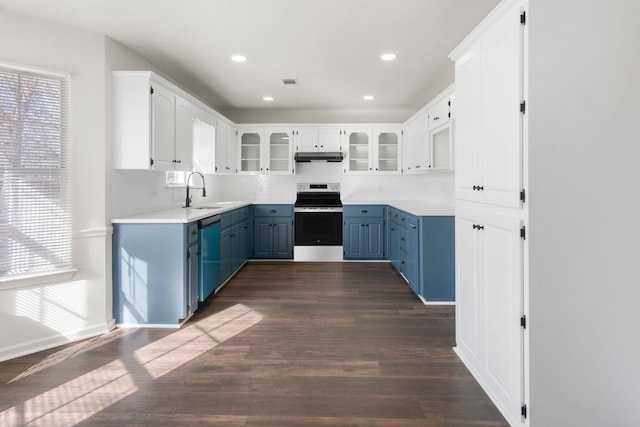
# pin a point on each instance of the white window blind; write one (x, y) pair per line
(35, 216)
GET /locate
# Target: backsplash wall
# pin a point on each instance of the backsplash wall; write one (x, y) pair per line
(136, 192)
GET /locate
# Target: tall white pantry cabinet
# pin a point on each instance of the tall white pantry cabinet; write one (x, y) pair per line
(491, 209)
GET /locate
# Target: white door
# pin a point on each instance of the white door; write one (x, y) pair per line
(329, 140)
(278, 155)
(359, 153)
(162, 127)
(306, 139)
(184, 134)
(468, 291)
(501, 116)
(386, 151)
(468, 126)
(502, 294)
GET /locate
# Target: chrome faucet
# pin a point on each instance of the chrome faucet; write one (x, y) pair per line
(187, 202)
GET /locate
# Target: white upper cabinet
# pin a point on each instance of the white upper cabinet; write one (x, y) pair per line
(386, 150)
(428, 139)
(204, 141)
(266, 151)
(488, 129)
(317, 139)
(376, 150)
(278, 153)
(329, 139)
(416, 145)
(226, 149)
(359, 150)
(152, 123)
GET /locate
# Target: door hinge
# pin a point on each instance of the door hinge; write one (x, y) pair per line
(523, 18)
(401, 132)
(151, 90)
(523, 321)
(522, 195)
(523, 232)
(523, 411)
(523, 107)
(150, 162)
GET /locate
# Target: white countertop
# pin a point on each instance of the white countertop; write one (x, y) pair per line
(180, 215)
(414, 207)
(186, 215)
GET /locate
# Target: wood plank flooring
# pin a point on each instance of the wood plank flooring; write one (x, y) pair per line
(283, 344)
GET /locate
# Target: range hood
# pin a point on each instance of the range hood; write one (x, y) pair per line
(314, 156)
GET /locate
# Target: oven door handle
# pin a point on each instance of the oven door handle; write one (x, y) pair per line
(319, 210)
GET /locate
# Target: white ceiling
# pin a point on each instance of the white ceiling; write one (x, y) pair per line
(332, 47)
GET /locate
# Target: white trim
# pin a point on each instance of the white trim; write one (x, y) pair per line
(56, 340)
(39, 70)
(149, 325)
(33, 279)
(89, 233)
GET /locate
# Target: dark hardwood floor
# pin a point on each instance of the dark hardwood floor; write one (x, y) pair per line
(283, 344)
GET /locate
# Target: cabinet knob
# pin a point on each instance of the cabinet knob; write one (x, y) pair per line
(273, 211)
(364, 211)
(361, 225)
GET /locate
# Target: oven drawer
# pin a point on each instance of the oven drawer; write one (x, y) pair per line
(272, 210)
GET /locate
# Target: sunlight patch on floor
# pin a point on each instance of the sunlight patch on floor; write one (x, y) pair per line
(88, 394)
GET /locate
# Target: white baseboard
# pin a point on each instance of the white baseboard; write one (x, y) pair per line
(51, 341)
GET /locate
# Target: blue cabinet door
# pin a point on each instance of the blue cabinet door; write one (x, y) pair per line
(225, 255)
(235, 248)
(353, 238)
(262, 243)
(192, 280)
(374, 238)
(245, 242)
(413, 255)
(282, 237)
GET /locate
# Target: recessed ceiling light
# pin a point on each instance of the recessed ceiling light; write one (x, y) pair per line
(239, 58)
(267, 98)
(388, 56)
(368, 97)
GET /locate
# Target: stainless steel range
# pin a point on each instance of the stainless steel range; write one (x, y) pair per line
(318, 223)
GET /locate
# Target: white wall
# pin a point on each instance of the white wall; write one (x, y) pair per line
(584, 213)
(43, 316)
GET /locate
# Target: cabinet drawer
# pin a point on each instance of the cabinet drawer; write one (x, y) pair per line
(273, 210)
(192, 233)
(235, 216)
(245, 213)
(225, 220)
(412, 223)
(364, 210)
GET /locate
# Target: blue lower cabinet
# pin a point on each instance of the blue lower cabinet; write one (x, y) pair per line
(155, 273)
(363, 232)
(437, 259)
(210, 259)
(422, 250)
(273, 231)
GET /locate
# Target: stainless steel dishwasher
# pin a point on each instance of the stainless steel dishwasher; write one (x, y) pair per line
(209, 259)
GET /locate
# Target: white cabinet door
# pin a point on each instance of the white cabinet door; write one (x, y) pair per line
(488, 118)
(468, 297)
(226, 149)
(162, 127)
(231, 166)
(329, 139)
(359, 151)
(183, 151)
(387, 143)
(489, 302)
(416, 145)
(306, 139)
(441, 148)
(204, 141)
(222, 134)
(501, 60)
(468, 125)
(250, 149)
(502, 286)
(279, 156)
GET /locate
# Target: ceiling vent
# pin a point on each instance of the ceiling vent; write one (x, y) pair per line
(290, 82)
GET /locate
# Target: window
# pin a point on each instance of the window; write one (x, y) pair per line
(35, 214)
